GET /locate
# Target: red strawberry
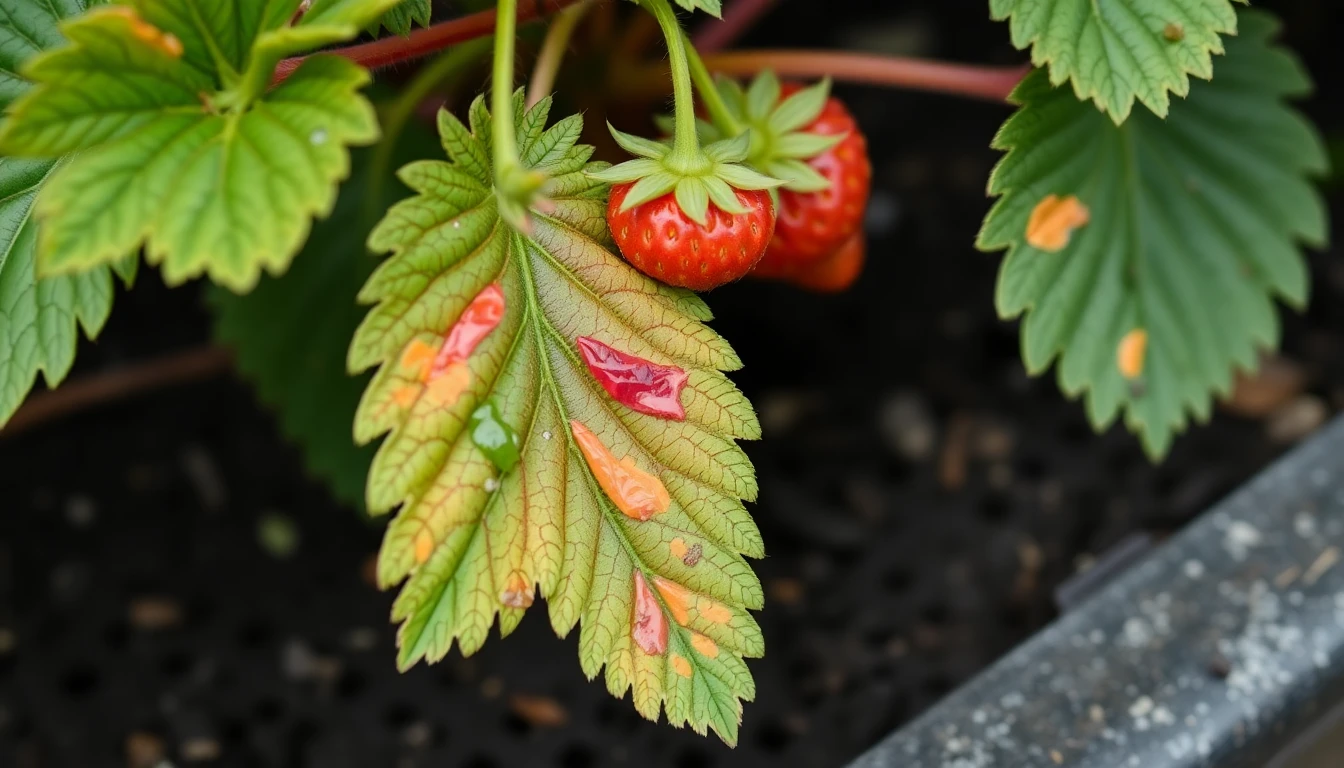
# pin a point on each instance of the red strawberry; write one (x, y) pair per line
(836, 272)
(813, 225)
(661, 241)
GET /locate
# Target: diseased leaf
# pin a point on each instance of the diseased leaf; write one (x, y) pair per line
(38, 318)
(605, 494)
(179, 148)
(1146, 257)
(1118, 50)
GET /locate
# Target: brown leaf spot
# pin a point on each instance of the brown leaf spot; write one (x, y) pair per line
(518, 593)
(1174, 32)
(693, 555)
(1053, 221)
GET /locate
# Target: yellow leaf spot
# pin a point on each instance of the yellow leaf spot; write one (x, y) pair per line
(417, 358)
(636, 493)
(706, 647)
(147, 33)
(424, 545)
(680, 665)
(675, 597)
(712, 611)
(1053, 221)
(678, 547)
(518, 593)
(447, 387)
(1129, 354)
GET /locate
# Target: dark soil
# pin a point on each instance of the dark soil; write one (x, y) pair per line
(138, 610)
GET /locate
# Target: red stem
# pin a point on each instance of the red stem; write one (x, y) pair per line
(713, 36)
(421, 42)
(992, 83)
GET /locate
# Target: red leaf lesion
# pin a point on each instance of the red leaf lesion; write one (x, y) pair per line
(637, 383)
(650, 625)
(442, 374)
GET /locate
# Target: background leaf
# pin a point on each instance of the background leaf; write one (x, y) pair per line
(208, 181)
(1117, 51)
(290, 334)
(38, 318)
(409, 13)
(472, 542)
(1194, 226)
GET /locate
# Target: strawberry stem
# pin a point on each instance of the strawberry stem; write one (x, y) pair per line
(709, 94)
(422, 42)
(501, 92)
(992, 83)
(685, 156)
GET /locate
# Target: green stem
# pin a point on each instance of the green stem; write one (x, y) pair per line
(685, 155)
(553, 50)
(718, 110)
(501, 92)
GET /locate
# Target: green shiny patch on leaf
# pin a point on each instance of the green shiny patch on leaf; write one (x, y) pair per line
(180, 150)
(1194, 229)
(472, 541)
(494, 437)
(39, 318)
(1115, 52)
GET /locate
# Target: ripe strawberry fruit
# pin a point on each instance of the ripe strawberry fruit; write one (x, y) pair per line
(836, 272)
(812, 225)
(661, 241)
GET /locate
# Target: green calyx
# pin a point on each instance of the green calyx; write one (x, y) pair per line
(657, 170)
(779, 147)
(697, 176)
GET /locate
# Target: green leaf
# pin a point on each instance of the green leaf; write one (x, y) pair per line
(402, 18)
(179, 150)
(1117, 51)
(39, 319)
(1194, 228)
(712, 7)
(472, 541)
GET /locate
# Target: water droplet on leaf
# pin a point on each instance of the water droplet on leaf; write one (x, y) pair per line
(318, 137)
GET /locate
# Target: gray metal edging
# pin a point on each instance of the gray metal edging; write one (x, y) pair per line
(1214, 651)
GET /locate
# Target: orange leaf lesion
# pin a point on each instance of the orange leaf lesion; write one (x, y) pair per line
(638, 494)
(1054, 220)
(1130, 353)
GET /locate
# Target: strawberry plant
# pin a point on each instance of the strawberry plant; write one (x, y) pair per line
(480, 326)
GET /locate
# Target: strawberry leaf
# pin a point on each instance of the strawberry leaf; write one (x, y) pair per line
(471, 313)
(1146, 257)
(1115, 52)
(39, 319)
(179, 148)
(409, 13)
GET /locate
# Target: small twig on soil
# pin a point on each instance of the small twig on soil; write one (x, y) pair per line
(738, 17)
(194, 364)
(992, 83)
(421, 42)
